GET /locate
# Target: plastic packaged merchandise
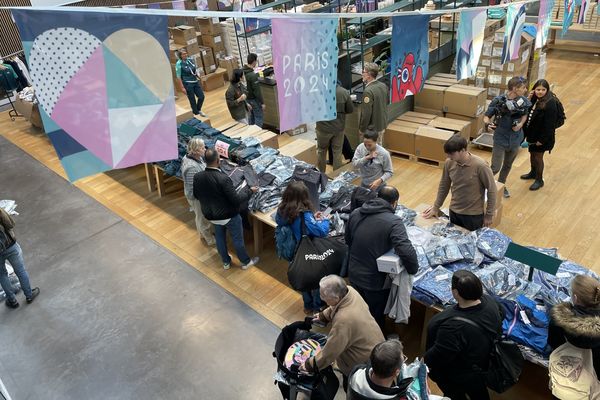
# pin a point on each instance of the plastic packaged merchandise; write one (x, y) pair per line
(492, 243)
(437, 283)
(499, 281)
(444, 251)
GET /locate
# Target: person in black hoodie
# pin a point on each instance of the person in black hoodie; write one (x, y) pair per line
(457, 352)
(540, 130)
(379, 378)
(221, 206)
(578, 322)
(373, 230)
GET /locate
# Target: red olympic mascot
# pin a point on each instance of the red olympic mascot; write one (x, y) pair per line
(409, 79)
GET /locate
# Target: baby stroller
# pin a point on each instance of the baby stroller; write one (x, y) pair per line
(323, 385)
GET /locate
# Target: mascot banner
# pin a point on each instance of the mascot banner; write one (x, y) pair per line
(305, 55)
(410, 56)
(104, 86)
(469, 42)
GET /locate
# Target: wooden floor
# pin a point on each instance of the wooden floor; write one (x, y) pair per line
(562, 214)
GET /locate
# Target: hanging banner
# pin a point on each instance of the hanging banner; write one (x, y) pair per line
(543, 24)
(178, 5)
(515, 21)
(410, 55)
(104, 86)
(583, 9)
(569, 6)
(305, 54)
(469, 42)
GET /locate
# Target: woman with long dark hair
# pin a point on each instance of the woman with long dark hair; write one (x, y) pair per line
(539, 130)
(296, 204)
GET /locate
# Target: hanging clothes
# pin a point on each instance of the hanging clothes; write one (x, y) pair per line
(8, 80)
(315, 181)
(24, 70)
(23, 83)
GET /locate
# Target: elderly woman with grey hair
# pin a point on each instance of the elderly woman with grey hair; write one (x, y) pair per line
(191, 164)
(354, 333)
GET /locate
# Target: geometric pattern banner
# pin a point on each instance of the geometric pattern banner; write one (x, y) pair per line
(569, 6)
(470, 41)
(583, 9)
(515, 22)
(543, 24)
(410, 56)
(104, 87)
(305, 55)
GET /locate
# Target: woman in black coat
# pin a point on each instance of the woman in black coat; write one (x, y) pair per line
(539, 130)
(578, 322)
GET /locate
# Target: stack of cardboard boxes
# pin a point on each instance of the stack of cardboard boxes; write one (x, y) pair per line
(443, 96)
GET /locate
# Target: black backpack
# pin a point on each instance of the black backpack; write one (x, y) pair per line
(561, 117)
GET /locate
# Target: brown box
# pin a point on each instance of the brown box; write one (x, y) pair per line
(463, 128)
(229, 64)
(183, 34)
(268, 139)
(464, 100)
(441, 81)
(182, 114)
(416, 118)
(298, 130)
(497, 217)
(400, 138)
(212, 81)
(427, 116)
(192, 49)
(172, 49)
(425, 110)
(446, 76)
(476, 123)
(302, 150)
(25, 108)
(208, 26)
(429, 143)
(431, 96)
(208, 59)
(215, 42)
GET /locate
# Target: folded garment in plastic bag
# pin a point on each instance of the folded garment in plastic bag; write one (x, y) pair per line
(266, 198)
(462, 264)
(492, 243)
(444, 251)
(555, 288)
(446, 229)
(406, 214)
(418, 236)
(421, 257)
(337, 225)
(342, 180)
(499, 281)
(251, 141)
(437, 283)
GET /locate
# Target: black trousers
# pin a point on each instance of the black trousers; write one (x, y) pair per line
(376, 300)
(474, 389)
(470, 222)
(347, 151)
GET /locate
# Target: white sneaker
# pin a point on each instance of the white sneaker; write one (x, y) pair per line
(251, 263)
(226, 266)
(202, 114)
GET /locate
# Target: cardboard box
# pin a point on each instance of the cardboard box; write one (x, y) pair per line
(173, 48)
(212, 81)
(400, 138)
(446, 76)
(429, 143)
(182, 114)
(425, 110)
(431, 96)
(464, 100)
(268, 139)
(497, 217)
(441, 81)
(36, 117)
(215, 42)
(298, 130)
(389, 263)
(208, 59)
(208, 26)
(476, 126)
(192, 49)
(25, 108)
(416, 118)
(183, 34)
(427, 116)
(229, 64)
(302, 150)
(457, 126)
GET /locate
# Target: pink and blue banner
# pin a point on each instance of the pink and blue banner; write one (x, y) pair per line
(515, 22)
(544, 21)
(104, 86)
(410, 55)
(583, 9)
(469, 42)
(568, 16)
(305, 55)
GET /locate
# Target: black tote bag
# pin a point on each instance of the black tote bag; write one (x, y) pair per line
(315, 258)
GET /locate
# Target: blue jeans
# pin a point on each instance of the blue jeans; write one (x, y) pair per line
(312, 300)
(256, 115)
(14, 255)
(194, 90)
(236, 231)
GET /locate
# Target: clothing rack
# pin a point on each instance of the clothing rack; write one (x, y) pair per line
(7, 94)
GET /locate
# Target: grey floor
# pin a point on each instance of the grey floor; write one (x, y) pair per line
(118, 316)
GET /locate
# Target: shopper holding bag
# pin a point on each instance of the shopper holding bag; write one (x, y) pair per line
(540, 130)
(296, 206)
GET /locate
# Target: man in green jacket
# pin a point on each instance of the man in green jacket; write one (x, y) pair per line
(254, 98)
(332, 132)
(373, 112)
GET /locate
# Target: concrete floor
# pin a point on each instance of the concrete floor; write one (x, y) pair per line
(118, 317)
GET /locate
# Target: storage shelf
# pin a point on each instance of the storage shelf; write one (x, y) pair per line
(269, 5)
(373, 41)
(393, 7)
(255, 32)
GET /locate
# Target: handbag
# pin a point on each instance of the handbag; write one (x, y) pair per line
(506, 362)
(315, 258)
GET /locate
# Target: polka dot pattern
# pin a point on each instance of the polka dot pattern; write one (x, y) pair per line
(56, 56)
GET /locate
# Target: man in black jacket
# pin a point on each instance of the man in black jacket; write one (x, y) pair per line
(372, 231)
(255, 98)
(457, 351)
(221, 206)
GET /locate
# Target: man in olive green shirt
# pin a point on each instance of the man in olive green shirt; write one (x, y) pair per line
(373, 112)
(332, 132)
(468, 177)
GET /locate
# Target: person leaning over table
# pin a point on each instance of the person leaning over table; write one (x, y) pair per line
(187, 77)
(467, 177)
(373, 110)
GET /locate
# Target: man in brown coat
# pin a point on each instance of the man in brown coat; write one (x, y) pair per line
(354, 333)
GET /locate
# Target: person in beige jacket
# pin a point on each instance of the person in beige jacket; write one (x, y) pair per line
(354, 333)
